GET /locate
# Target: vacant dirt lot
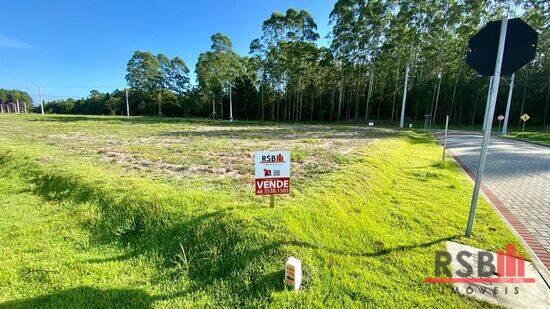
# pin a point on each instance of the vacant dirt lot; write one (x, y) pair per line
(183, 150)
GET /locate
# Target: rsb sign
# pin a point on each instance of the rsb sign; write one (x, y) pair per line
(272, 172)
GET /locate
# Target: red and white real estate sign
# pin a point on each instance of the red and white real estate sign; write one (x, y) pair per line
(272, 172)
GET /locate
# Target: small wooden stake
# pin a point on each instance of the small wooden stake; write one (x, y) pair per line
(272, 200)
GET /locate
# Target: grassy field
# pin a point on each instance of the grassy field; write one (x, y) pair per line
(105, 212)
(538, 137)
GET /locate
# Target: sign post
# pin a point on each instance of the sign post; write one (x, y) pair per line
(500, 118)
(487, 128)
(272, 173)
(524, 118)
(500, 47)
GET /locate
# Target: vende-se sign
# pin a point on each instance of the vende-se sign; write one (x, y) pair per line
(272, 172)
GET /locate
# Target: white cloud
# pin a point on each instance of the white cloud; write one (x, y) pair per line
(6, 42)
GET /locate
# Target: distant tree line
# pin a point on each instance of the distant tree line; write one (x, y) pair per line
(287, 76)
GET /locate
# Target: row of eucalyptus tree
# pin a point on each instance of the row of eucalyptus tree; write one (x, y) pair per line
(288, 76)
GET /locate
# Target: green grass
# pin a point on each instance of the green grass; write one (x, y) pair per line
(538, 137)
(368, 210)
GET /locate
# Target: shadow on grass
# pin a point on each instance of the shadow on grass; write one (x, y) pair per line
(380, 251)
(89, 297)
(219, 246)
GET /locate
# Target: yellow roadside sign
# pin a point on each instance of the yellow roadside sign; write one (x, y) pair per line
(525, 117)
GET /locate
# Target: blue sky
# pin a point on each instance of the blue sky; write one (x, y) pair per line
(70, 46)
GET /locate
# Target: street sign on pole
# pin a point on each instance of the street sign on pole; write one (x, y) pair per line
(525, 117)
(487, 126)
(492, 52)
(519, 49)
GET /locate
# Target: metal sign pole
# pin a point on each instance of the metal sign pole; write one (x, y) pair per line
(507, 114)
(488, 124)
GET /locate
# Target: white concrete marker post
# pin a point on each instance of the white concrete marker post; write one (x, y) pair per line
(488, 124)
(293, 273)
(445, 139)
(508, 103)
(402, 119)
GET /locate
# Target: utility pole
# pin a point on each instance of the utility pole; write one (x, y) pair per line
(41, 101)
(507, 114)
(488, 123)
(524, 92)
(127, 104)
(402, 120)
(488, 100)
(230, 105)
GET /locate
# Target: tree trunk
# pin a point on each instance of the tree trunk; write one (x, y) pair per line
(159, 98)
(436, 101)
(263, 108)
(340, 97)
(544, 122)
(333, 94)
(454, 92)
(371, 78)
(213, 107)
(524, 93)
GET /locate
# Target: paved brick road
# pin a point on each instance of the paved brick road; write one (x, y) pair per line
(516, 180)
